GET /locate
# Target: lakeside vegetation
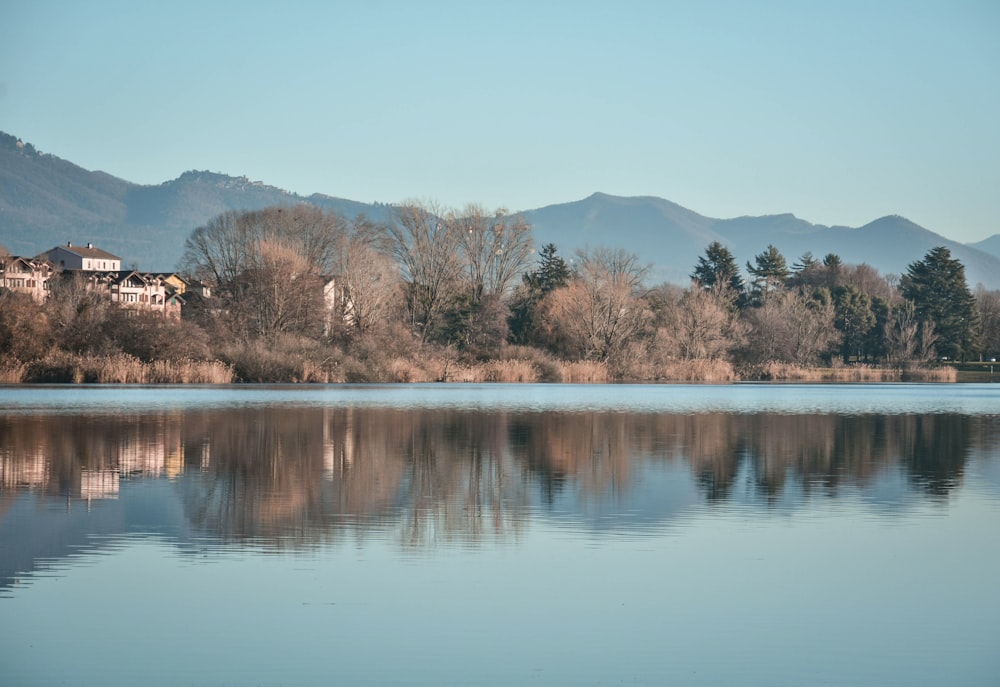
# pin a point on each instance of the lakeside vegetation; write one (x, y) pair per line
(302, 295)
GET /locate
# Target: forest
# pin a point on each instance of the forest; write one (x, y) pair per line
(300, 294)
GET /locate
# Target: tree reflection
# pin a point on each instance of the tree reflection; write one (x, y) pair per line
(301, 476)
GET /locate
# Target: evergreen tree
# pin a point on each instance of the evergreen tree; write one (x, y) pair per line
(937, 288)
(552, 273)
(855, 318)
(834, 267)
(770, 273)
(807, 272)
(718, 266)
(806, 262)
(717, 271)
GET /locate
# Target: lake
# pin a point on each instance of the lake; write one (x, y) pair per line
(746, 534)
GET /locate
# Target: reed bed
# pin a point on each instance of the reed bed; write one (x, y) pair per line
(189, 372)
(778, 371)
(67, 368)
(498, 371)
(930, 374)
(13, 372)
(698, 370)
(260, 364)
(584, 372)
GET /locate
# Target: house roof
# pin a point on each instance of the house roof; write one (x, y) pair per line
(33, 264)
(87, 251)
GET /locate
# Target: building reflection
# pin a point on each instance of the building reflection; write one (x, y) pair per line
(298, 476)
(87, 458)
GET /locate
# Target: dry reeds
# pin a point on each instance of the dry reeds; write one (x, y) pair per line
(284, 360)
(13, 372)
(189, 372)
(496, 371)
(788, 372)
(67, 368)
(931, 374)
(584, 372)
(697, 370)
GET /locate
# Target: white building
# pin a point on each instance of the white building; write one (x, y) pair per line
(85, 258)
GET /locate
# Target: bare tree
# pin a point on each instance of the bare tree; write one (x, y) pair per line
(25, 332)
(267, 266)
(427, 248)
(868, 281)
(497, 249)
(277, 292)
(908, 339)
(221, 250)
(790, 327)
(367, 278)
(600, 310)
(989, 320)
(77, 312)
(702, 324)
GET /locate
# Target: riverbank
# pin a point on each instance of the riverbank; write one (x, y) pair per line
(65, 368)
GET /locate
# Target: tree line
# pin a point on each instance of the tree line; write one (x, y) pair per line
(301, 283)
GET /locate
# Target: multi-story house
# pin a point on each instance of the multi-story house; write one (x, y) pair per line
(103, 272)
(137, 290)
(26, 275)
(84, 258)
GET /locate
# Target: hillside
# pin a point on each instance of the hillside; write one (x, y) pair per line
(46, 201)
(990, 245)
(671, 238)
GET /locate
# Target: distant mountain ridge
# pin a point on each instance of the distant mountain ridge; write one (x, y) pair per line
(671, 237)
(46, 201)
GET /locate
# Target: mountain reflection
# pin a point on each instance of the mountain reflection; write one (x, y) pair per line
(298, 476)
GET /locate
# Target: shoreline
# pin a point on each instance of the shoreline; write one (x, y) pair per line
(124, 369)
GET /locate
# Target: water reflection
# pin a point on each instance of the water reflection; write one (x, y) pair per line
(295, 476)
(309, 540)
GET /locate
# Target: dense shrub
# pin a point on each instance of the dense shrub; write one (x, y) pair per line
(25, 331)
(150, 336)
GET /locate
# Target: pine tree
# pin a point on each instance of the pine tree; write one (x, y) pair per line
(936, 285)
(552, 273)
(770, 273)
(856, 319)
(718, 269)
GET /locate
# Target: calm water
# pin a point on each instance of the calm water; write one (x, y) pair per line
(500, 535)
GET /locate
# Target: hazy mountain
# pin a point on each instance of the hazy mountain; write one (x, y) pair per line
(46, 201)
(990, 245)
(671, 238)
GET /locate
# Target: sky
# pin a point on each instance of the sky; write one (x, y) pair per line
(839, 112)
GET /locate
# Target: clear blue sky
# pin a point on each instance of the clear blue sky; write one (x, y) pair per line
(840, 112)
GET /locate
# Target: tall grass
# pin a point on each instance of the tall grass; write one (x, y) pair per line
(189, 372)
(500, 371)
(584, 372)
(67, 368)
(778, 371)
(284, 360)
(12, 372)
(697, 370)
(304, 361)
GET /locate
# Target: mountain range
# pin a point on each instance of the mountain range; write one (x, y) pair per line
(46, 201)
